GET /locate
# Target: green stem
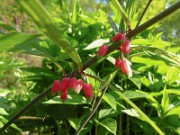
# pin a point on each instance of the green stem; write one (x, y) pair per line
(127, 126)
(120, 124)
(149, 2)
(92, 113)
(104, 88)
(146, 118)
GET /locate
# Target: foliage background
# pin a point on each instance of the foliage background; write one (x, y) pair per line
(28, 69)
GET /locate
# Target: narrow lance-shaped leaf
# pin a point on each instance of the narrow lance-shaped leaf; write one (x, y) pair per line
(116, 4)
(8, 41)
(75, 10)
(42, 18)
(165, 102)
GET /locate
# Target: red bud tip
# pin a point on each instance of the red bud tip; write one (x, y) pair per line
(126, 67)
(64, 84)
(118, 63)
(64, 95)
(55, 86)
(88, 90)
(119, 36)
(72, 82)
(103, 50)
(125, 48)
(78, 85)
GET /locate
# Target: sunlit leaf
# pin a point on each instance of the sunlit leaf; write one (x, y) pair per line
(97, 43)
(131, 112)
(3, 111)
(73, 99)
(165, 101)
(110, 100)
(173, 111)
(172, 75)
(75, 11)
(106, 113)
(109, 124)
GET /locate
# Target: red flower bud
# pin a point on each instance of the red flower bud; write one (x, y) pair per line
(118, 63)
(126, 47)
(119, 36)
(56, 86)
(126, 67)
(72, 82)
(64, 95)
(88, 90)
(102, 50)
(64, 84)
(78, 85)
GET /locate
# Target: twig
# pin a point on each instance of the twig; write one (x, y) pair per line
(30, 118)
(154, 20)
(130, 34)
(92, 113)
(149, 2)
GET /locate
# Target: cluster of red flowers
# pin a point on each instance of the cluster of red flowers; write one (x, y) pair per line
(124, 64)
(125, 47)
(71, 83)
(77, 84)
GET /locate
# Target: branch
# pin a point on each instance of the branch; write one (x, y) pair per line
(134, 32)
(130, 34)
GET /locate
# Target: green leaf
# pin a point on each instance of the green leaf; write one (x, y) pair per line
(8, 41)
(3, 111)
(42, 18)
(1, 124)
(7, 27)
(143, 115)
(106, 113)
(134, 94)
(136, 81)
(173, 111)
(75, 10)
(165, 102)
(75, 122)
(3, 93)
(138, 42)
(4, 103)
(110, 100)
(73, 99)
(131, 112)
(109, 124)
(147, 61)
(117, 5)
(131, 8)
(172, 75)
(95, 44)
